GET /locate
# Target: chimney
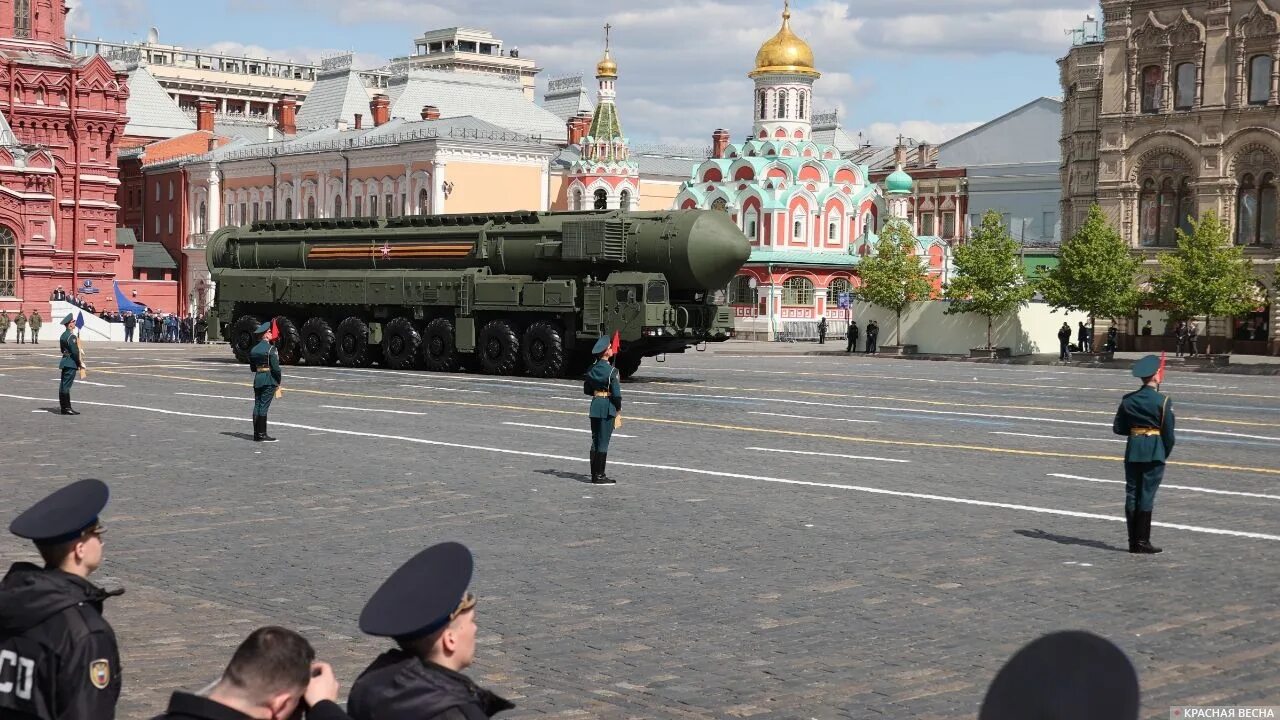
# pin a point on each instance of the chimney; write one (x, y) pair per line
(922, 154)
(288, 115)
(579, 125)
(430, 112)
(900, 155)
(213, 144)
(204, 114)
(719, 143)
(359, 120)
(380, 107)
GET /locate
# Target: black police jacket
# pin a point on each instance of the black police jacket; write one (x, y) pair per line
(400, 686)
(186, 706)
(58, 656)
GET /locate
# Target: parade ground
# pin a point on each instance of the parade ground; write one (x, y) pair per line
(789, 537)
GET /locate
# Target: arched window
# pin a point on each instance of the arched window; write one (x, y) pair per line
(780, 107)
(8, 263)
(1247, 212)
(1152, 88)
(1148, 214)
(1259, 79)
(1168, 211)
(798, 230)
(720, 204)
(741, 292)
(202, 218)
(797, 291)
(373, 206)
(424, 204)
(22, 18)
(602, 199)
(388, 204)
(1186, 206)
(764, 105)
(624, 200)
(255, 212)
(577, 200)
(800, 98)
(311, 207)
(337, 206)
(1185, 94)
(868, 227)
(836, 288)
(833, 227)
(288, 208)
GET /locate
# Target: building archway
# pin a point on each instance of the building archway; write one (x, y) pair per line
(8, 262)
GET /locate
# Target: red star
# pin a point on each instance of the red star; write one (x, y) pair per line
(386, 250)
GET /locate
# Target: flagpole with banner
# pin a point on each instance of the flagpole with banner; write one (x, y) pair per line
(275, 335)
(615, 345)
(84, 372)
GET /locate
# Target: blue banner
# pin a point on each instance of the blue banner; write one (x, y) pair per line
(124, 304)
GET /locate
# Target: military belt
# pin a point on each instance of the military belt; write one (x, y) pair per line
(1143, 431)
(262, 369)
(601, 393)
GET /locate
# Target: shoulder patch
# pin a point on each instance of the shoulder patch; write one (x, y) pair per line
(100, 673)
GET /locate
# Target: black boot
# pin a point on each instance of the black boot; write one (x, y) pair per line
(265, 436)
(1132, 525)
(595, 466)
(602, 479)
(1143, 520)
(64, 401)
(257, 428)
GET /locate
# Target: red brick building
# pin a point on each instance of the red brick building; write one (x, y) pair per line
(60, 120)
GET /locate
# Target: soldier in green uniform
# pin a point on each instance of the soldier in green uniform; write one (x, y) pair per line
(606, 402)
(20, 322)
(264, 360)
(4, 325)
(1146, 417)
(34, 323)
(69, 365)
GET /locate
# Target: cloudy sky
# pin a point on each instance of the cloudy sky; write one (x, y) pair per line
(927, 68)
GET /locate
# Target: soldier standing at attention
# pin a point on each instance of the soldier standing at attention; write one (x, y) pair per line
(58, 655)
(425, 607)
(69, 365)
(1146, 417)
(265, 363)
(4, 325)
(34, 322)
(20, 322)
(606, 402)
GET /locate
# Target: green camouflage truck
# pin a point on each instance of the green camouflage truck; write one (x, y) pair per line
(502, 293)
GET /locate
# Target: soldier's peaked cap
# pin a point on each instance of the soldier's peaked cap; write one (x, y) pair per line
(601, 345)
(63, 515)
(68, 319)
(1146, 367)
(263, 328)
(1071, 674)
(420, 597)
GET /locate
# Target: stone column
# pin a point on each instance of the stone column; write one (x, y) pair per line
(213, 207)
(437, 186)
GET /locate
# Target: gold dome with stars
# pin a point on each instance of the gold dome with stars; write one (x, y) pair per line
(785, 52)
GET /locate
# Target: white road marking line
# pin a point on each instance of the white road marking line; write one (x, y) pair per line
(244, 398)
(641, 402)
(97, 384)
(692, 471)
(1056, 437)
(1188, 488)
(377, 410)
(810, 417)
(1228, 434)
(562, 429)
(433, 387)
(834, 455)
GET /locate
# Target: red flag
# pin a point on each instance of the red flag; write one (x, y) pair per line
(616, 343)
(275, 331)
(1160, 372)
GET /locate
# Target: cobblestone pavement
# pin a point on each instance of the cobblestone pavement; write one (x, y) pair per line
(789, 537)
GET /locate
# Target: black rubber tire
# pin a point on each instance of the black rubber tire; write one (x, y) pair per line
(438, 351)
(289, 344)
(401, 344)
(244, 336)
(351, 345)
(580, 360)
(498, 348)
(317, 342)
(543, 350)
(628, 365)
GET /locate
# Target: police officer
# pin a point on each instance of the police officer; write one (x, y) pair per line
(58, 655)
(851, 343)
(426, 608)
(264, 360)
(34, 323)
(271, 675)
(69, 365)
(606, 402)
(1146, 417)
(20, 322)
(1071, 674)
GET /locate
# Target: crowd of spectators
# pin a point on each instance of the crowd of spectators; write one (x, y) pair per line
(146, 326)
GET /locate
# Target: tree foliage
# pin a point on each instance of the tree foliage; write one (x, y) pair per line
(894, 278)
(1096, 272)
(1206, 275)
(989, 279)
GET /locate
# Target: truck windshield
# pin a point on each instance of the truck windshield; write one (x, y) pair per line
(656, 292)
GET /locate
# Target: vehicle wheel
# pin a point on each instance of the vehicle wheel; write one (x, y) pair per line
(242, 336)
(628, 365)
(580, 360)
(498, 348)
(438, 352)
(400, 344)
(543, 350)
(289, 344)
(352, 343)
(317, 342)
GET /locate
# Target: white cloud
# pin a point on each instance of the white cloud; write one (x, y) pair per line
(885, 133)
(78, 19)
(306, 55)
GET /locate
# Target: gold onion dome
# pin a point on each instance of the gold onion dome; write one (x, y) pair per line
(785, 52)
(607, 67)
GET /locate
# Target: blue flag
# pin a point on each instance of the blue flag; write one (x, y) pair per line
(79, 320)
(126, 305)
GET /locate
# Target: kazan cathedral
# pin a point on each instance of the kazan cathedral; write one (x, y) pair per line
(809, 213)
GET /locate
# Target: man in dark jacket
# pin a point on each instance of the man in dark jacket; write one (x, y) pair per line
(58, 655)
(1064, 342)
(851, 341)
(425, 606)
(1084, 338)
(271, 675)
(1146, 418)
(873, 336)
(822, 330)
(130, 322)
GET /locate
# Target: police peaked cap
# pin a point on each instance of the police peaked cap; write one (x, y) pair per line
(601, 345)
(263, 328)
(1072, 674)
(419, 598)
(1146, 367)
(64, 515)
(68, 319)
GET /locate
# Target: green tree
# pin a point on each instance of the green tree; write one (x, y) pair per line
(893, 278)
(1095, 274)
(989, 279)
(1206, 275)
